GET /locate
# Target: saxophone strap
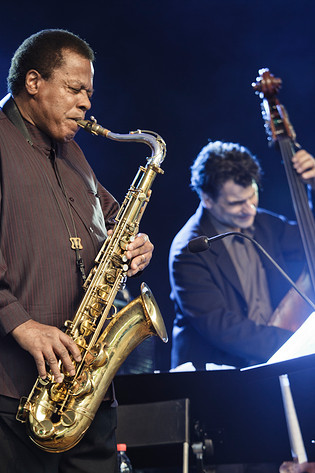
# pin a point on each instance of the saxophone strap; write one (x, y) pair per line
(11, 110)
(75, 241)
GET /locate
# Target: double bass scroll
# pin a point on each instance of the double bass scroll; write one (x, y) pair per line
(292, 310)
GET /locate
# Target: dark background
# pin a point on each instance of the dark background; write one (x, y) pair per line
(184, 69)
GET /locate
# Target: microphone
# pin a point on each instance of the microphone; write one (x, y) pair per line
(203, 243)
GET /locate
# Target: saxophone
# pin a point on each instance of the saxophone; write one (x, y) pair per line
(58, 414)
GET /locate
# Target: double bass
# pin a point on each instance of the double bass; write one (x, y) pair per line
(292, 310)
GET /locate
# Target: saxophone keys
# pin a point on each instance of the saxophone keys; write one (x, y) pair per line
(23, 410)
(45, 381)
(98, 356)
(111, 276)
(68, 418)
(58, 392)
(82, 385)
(80, 341)
(90, 356)
(103, 291)
(95, 309)
(123, 242)
(142, 197)
(43, 429)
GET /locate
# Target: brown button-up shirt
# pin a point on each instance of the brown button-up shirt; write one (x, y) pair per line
(38, 273)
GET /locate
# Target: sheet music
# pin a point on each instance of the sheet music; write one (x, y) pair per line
(301, 343)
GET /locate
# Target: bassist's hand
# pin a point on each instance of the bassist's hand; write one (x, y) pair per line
(304, 164)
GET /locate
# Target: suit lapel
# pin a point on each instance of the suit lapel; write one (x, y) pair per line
(220, 253)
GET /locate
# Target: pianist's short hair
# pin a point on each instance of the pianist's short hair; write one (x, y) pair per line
(219, 162)
(42, 51)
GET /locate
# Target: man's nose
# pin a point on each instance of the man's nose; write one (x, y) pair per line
(249, 208)
(85, 102)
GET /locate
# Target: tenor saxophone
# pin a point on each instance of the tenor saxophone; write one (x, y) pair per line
(57, 415)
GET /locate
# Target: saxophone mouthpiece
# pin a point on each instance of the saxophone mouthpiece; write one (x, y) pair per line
(93, 127)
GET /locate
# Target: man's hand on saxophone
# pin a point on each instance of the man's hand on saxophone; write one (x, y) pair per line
(47, 344)
(140, 253)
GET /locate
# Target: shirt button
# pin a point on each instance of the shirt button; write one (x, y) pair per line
(71, 199)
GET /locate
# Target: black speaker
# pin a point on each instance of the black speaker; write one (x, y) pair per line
(156, 434)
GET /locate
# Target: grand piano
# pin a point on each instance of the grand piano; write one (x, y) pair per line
(224, 416)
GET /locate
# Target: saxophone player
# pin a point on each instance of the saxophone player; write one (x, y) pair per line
(54, 217)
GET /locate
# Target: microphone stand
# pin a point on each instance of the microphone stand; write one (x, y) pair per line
(203, 243)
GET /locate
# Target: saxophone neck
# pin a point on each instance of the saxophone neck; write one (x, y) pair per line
(150, 138)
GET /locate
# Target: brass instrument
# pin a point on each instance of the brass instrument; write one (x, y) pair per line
(58, 414)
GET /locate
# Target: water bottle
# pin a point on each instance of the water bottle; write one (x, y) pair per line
(124, 464)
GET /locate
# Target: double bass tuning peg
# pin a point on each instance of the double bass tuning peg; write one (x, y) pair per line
(266, 84)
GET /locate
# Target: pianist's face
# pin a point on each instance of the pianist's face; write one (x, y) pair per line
(235, 206)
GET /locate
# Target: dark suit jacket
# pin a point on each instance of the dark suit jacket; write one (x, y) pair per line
(211, 323)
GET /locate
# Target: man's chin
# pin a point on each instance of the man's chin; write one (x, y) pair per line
(68, 137)
(68, 132)
(246, 224)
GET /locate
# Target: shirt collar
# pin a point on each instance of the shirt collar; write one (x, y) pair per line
(222, 228)
(39, 138)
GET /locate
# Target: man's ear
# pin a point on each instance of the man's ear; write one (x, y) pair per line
(207, 201)
(32, 81)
